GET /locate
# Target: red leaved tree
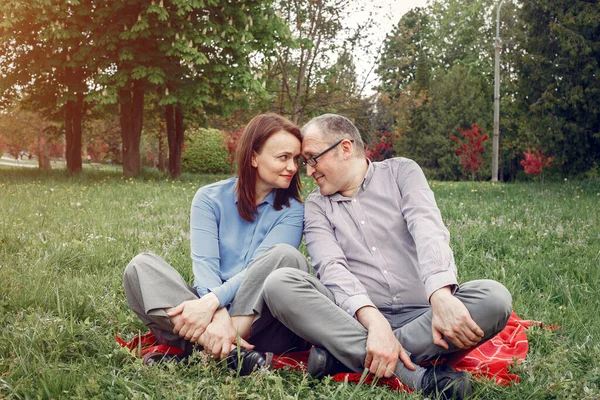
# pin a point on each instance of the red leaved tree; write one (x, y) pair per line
(231, 141)
(382, 147)
(534, 162)
(470, 147)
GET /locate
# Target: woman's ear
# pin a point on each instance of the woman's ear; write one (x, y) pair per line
(254, 159)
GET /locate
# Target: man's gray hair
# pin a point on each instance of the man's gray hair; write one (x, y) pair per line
(334, 127)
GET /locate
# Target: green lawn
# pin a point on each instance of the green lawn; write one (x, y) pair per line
(65, 241)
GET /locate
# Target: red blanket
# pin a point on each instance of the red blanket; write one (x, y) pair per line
(490, 360)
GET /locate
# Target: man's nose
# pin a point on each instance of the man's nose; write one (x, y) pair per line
(310, 170)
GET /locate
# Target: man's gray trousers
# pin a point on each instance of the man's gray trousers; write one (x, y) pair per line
(306, 307)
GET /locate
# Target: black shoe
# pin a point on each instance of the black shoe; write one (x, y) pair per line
(156, 357)
(443, 382)
(247, 361)
(322, 363)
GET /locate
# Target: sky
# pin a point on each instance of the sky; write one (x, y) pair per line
(386, 13)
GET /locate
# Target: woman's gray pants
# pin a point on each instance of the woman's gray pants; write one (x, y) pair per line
(151, 285)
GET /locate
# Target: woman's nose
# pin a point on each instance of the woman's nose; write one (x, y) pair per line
(292, 165)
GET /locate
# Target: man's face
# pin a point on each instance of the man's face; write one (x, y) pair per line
(329, 170)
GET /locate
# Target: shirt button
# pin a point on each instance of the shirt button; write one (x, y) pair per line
(354, 200)
(373, 248)
(362, 222)
(385, 271)
(395, 298)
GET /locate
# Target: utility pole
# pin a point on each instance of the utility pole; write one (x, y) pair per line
(496, 138)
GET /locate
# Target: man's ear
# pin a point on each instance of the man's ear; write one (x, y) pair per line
(254, 159)
(347, 148)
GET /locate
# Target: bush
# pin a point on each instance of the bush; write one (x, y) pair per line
(205, 152)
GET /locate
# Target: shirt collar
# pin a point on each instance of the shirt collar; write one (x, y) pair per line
(269, 199)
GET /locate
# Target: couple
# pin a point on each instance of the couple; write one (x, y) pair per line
(385, 298)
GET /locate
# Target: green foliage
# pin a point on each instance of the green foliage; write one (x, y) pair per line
(435, 77)
(456, 99)
(558, 80)
(404, 57)
(64, 243)
(206, 152)
(312, 70)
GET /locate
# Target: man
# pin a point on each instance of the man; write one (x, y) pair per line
(387, 297)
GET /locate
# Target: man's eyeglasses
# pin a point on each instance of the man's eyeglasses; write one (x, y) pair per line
(312, 161)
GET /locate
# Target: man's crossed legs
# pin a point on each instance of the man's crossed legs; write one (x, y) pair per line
(302, 303)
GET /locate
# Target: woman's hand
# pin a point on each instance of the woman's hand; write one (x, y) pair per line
(220, 336)
(191, 318)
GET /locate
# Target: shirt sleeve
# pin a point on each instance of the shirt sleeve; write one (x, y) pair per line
(204, 244)
(329, 260)
(424, 221)
(286, 230)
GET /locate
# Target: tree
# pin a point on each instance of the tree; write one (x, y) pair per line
(454, 100)
(27, 131)
(308, 66)
(436, 74)
(197, 55)
(62, 55)
(470, 147)
(558, 84)
(382, 147)
(534, 162)
(48, 59)
(404, 59)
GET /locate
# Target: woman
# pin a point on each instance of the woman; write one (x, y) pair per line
(241, 229)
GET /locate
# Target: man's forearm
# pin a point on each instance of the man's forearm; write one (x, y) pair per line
(440, 294)
(371, 317)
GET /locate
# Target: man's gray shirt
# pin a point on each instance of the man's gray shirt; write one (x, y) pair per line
(387, 246)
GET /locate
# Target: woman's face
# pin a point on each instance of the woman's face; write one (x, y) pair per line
(277, 162)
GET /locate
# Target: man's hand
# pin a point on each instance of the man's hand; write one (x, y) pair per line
(219, 339)
(191, 317)
(452, 320)
(383, 348)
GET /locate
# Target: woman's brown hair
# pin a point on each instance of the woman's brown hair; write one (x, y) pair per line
(255, 134)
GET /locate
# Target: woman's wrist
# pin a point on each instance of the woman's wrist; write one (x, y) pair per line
(211, 301)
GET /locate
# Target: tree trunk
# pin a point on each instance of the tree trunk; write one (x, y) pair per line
(131, 102)
(68, 131)
(161, 151)
(73, 119)
(77, 133)
(42, 151)
(175, 132)
(73, 116)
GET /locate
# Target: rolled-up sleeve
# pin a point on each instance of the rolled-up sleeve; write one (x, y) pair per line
(328, 258)
(424, 221)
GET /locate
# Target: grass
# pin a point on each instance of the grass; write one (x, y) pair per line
(65, 241)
